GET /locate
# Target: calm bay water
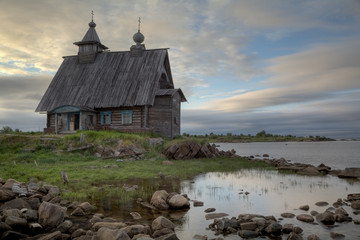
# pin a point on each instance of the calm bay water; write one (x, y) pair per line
(336, 154)
(272, 193)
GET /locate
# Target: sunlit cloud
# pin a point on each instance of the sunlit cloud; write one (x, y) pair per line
(241, 64)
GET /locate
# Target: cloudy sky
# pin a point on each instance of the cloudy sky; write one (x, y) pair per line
(287, 67)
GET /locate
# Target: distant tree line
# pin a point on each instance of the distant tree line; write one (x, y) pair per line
(7, 129)
(261, 136)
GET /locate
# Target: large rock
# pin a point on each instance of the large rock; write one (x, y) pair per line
(305, 218)
(11, 212)
(9, 183)
(287, 228)
(248, 234)
(304, 207)
(4, 227)
(29, 214)
(105, 233)
(6, 194)
(79, 232)
(17, 203)
(20, 189)
(335, 235)
(162, 222)
(349, 173)
(353, 197)
(341, 211)
(356, 205)
(210, 216)
(309, 170)
(248, 226)
(274, 228)
(326, 218)
(36, 228)
(161, 232)
(136, 229)
(158, 200)
(321, 203)
(51, 215)
(65, 226)
(178, 201)
(14, 221)
(288, 215)
(11, 235)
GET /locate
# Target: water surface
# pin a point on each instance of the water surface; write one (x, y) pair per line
(336, 154)
(270, 193)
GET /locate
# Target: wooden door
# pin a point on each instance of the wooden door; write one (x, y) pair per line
(71, 122)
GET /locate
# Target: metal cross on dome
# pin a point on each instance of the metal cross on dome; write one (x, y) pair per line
(139, 24)
(92, 15)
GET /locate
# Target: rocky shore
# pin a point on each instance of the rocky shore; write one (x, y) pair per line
(249, 226)
(191, 150)
(36, 211)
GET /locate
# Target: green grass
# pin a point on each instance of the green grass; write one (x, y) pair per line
(26, 157)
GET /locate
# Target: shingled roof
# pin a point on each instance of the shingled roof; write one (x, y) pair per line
(114, 79)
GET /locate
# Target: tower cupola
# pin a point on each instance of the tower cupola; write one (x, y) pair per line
(137, 49)
(90, 45)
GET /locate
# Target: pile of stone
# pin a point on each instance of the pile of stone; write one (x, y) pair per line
(36, 211)
(190, 150)
(120, 151)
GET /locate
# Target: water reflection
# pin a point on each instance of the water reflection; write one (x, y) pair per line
(247, 191)
(269, 193)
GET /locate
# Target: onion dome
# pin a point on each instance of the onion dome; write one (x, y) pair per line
(138, 37)
(92, 24)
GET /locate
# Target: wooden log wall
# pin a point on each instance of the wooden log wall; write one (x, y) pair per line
(51, 121)
(176, 103)
(160, 116)
(116, 118)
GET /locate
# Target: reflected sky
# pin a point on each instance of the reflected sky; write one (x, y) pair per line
(269, 193)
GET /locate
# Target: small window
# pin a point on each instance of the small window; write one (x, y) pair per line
(126, 117)
(105, 118)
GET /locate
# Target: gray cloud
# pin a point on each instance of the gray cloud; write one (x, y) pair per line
(320, 119)
(22, 92)
(207, 39)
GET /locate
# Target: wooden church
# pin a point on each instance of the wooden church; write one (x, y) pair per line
(130, 91)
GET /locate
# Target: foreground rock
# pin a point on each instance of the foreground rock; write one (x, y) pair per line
(308, 169)
(163, 201)
(36, 211)
(248, 226)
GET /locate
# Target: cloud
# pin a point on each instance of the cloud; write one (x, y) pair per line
(335, 118)
(22, 92)
(215, 46)
(311, 75)
(23, 120)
